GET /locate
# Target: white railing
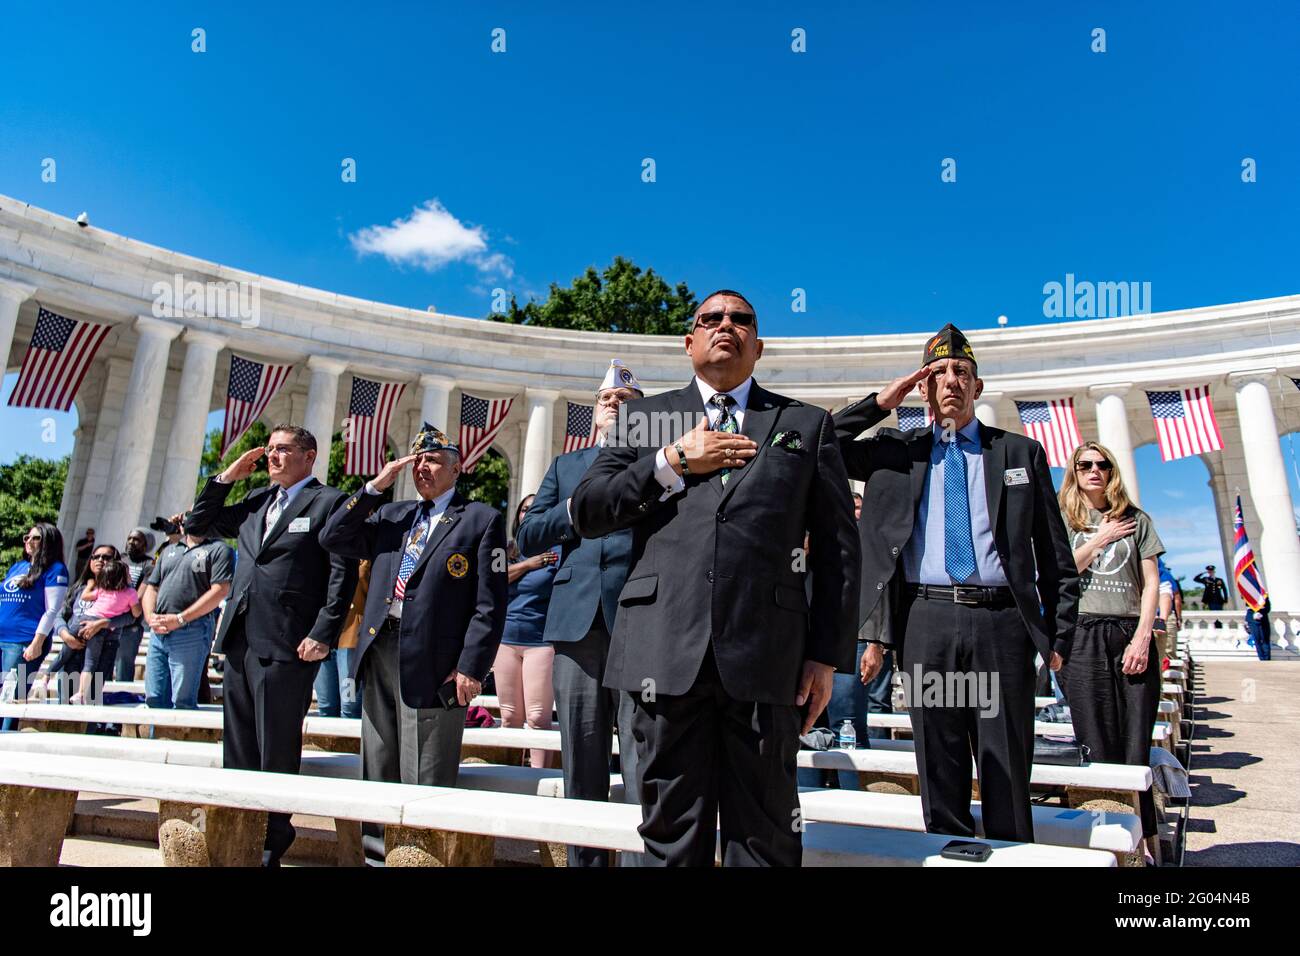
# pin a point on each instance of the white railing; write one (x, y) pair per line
(1228, 639)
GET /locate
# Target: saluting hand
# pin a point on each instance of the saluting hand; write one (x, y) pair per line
(708, 450)
(243, 466)
(892, 395)
(388, 474)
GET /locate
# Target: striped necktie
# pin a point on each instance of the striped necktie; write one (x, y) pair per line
(273, 513)
(726, 421)
(414, 548)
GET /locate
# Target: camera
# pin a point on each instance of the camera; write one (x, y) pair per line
(165, 525)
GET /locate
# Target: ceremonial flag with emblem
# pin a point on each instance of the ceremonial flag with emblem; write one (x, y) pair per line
(57, 358)
(579, 427)
(1053, 425)
(252, 386)
(366, 434)
(913, 416)
(480, 420)
(1185, 423)
(1249, 584)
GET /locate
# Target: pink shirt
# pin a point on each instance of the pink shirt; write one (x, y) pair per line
(113, 603)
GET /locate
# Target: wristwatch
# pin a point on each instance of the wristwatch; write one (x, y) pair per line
(181, 618)
(681, 456)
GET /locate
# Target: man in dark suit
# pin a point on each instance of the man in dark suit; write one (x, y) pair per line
(285, 608)
(714, 635)
(434, 615)
(580, 618)
(965, 555)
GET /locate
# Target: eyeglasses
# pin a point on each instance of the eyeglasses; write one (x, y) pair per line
(281, 449)
(617, 397)
(711, 320)
(1086, 465)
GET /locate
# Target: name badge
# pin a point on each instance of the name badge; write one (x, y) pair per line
(300, 524)
(1015, 476)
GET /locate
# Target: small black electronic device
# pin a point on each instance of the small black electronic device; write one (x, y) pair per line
(968, 851)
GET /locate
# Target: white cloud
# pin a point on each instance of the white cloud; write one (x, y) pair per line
(430, 238)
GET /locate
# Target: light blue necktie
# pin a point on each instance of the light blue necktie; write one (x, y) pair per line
(958, 546)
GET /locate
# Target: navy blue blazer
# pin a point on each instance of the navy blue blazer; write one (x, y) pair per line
(455, 606)
(591, 572)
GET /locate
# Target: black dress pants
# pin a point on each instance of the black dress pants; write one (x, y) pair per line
(969, 672)
(264, 702)
(1113, 712)
(702, 756)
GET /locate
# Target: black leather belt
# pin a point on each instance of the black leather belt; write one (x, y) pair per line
(977, 596)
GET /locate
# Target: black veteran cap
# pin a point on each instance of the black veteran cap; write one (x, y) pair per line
(949, 342)
(430, 438)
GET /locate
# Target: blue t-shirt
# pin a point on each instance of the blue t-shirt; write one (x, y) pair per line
(530, 596)
(21, 609)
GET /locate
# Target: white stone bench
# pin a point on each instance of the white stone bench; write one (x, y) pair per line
(418, 820)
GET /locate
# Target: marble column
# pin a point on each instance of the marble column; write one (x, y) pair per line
(435, 401)
(12, 296)
(322, 400)
(537, 439)
(986, 408)
(189, 424)
(1113, 431)
(1278, 547)
(124, 496)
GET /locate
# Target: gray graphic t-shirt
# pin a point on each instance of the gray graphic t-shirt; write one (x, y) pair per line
(1112, 584)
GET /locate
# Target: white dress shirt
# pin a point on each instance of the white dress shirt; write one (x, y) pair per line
(674, 483)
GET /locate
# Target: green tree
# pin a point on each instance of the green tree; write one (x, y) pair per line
(489, 482)
(623, 298)
(31, 490)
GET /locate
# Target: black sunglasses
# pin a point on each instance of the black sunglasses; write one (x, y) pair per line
(711, 320)
(1085, 465)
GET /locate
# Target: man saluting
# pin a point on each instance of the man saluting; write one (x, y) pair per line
(434, 615)
(714, 635)
(963, 545)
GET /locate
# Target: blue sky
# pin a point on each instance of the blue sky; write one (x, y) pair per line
(774, 170)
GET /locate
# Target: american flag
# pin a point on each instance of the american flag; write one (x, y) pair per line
(1249, 584)
(56, 361)
(252, 386)
(1185, 422)
(1053, 425)
(913, 416)
(369, 410)
(480, 420)
(579, 430)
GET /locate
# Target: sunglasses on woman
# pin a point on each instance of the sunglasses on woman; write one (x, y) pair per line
(1085, 465)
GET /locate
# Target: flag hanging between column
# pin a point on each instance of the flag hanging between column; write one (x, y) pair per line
(57, 358)
(579, 427)
(1249, 584)
(251, 387)
(366, 431)
(1053, 425)
(480, 420)
(1185, 423)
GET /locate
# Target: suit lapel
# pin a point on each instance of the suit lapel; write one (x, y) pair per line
(995, 462)
(761, 412)
(296, 507)
(921, 445)
(440, 530)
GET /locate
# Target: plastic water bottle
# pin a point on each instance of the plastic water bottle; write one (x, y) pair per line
(848, 737)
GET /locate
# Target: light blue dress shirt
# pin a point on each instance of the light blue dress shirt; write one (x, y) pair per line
(923, 558)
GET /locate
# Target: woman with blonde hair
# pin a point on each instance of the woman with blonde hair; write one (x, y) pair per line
(1111, 668)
